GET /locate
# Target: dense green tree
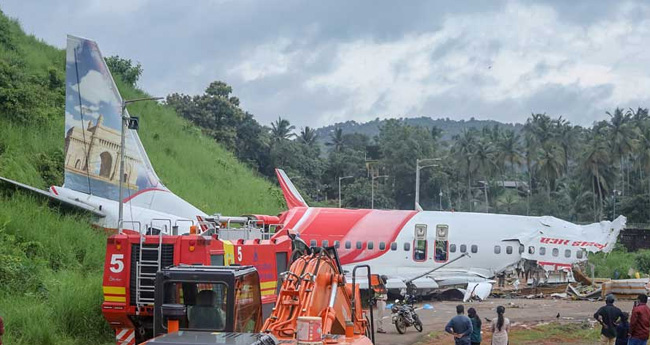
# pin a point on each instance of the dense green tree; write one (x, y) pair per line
(308, 136)
(336, 139)
(128, 71)
(281, 129)
(463, 150)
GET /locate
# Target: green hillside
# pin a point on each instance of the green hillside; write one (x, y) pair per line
(50, 263)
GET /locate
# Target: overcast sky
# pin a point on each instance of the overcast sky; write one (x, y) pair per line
(317, 63)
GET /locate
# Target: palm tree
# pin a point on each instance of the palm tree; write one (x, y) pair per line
(567, 138)
(642, 158)
(308, 136)
(508, 200)
(574, 198)
(337, 139)
(541, 127)
(623, 137)
(550, 164)
(595, 159)
(509, 149)
(484, 163)
(281, 129)
(463, 149)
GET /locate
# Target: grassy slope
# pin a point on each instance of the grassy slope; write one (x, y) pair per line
(50, 264)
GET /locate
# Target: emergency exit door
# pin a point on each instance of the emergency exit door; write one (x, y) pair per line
(441, 246)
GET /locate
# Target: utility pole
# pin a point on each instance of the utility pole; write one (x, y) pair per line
(372, 183)
(417, 176)
(487, 204)
(440, 195)
(342, 178)
(614, 194)
(132, 125)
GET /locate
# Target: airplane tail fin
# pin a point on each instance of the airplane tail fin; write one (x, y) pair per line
(290, 192)
(93, 112)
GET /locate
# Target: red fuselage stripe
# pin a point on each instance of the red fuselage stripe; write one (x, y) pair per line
(142, 191)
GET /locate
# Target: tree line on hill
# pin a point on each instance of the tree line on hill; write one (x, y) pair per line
(549, 167)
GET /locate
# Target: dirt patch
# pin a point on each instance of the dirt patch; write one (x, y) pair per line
(538, 334)
(536, 321)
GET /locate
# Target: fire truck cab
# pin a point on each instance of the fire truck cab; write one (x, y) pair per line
(208, 298)
(133, 260)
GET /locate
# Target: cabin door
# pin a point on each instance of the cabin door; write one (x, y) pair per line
(441, 247)
(420, 243)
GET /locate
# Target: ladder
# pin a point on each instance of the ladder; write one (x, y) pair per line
(149, 263)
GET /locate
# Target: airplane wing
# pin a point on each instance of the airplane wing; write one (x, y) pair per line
(290, 192)
(53, 197)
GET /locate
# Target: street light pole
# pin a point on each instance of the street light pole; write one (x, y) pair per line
(417, 176)
(440, 195)
(614, 193)
(124, 118)
(342, 178)
(372, 183)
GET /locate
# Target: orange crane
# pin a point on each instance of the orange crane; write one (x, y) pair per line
(208, 304)
(316, 305)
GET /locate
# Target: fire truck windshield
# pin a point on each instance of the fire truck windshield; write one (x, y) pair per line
(205, 304)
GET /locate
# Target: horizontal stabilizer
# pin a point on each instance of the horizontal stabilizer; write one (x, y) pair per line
(53, 197)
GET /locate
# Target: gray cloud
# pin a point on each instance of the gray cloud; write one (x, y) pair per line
(320, 62)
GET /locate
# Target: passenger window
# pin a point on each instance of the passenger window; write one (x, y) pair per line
(509, 250)
(348, 245)
(371, 245)
(393, 246)
(359, 245)
(452, 248)
(521, 249)
(497, 249)
(567, 253)
(463, 248)
(326, 243)
(579, 254)
(542, 250)
(556, 252)
(337, 244)
(420, 243)
(313, 243)
(407, 246)
(382, 246)
(531, 250)
(474, 248)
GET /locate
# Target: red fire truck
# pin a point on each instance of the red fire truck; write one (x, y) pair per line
(132, 261)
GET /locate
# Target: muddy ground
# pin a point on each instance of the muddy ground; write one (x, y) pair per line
(535, 321)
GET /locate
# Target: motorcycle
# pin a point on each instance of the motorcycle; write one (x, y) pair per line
(404, 316)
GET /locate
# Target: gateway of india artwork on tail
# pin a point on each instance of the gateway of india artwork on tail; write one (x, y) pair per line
(93, 117)
(94, 151)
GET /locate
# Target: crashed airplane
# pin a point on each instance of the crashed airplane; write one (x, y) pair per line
(440, 250)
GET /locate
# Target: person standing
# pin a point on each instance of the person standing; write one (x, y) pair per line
(607, 316)
(460, 326)
(640, 322)
(381, 295)
(623, 330)
(500, 327)
(475, 337)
